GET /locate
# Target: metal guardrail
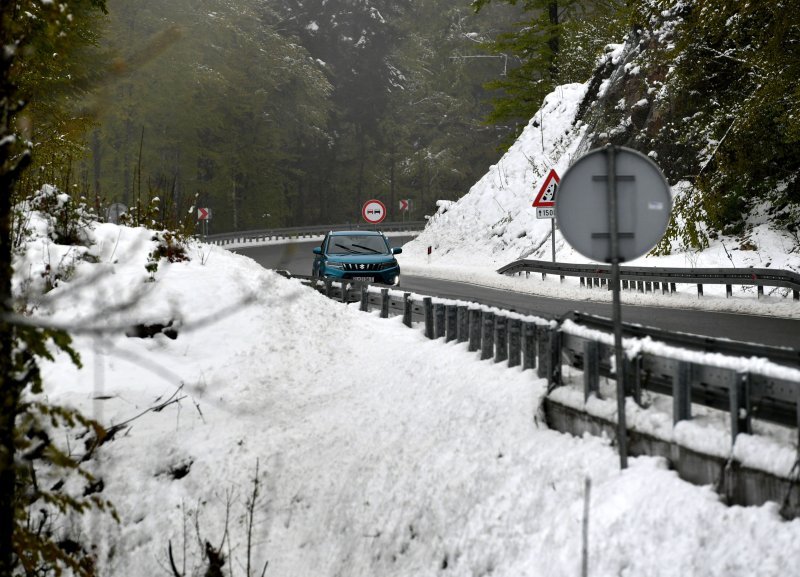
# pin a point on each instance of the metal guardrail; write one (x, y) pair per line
(246, 236)
(647, 279)
(779, 355)
(546, 344)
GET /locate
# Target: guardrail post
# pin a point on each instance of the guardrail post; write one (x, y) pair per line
(583, 282)
(624, 285)
(760, 290)
(474, 330)
(728, 291)
(462, 324)
(384, 303)
(427, 305)
(739, 391)
(328, 287)
(514, 342)
(633, 378)
(500, 338)
(487, 335)
(542, 351)
(364, 305)
(682, 393)
(450, 314)
(438, 315)
(699, 290)
(407, 309)
(672, 288)
(797, 422)
(796, 294)
(664, 288)
(591, 369)
(554, 361)
(345, 285)
(528, 345)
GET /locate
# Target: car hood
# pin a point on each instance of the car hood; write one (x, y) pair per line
(361, 258)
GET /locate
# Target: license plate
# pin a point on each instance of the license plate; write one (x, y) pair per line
(364, 278)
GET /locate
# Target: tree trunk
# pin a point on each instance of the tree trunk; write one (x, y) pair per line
(552, 43)
(11, 165)
(97, 149)
(362, 146)
(392, 161)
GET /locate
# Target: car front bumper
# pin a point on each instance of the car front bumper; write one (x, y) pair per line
(389, 276)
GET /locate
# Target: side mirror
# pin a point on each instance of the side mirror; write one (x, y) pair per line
(317, 250)
(397, 250)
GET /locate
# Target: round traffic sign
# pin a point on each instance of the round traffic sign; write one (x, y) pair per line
(115, 211)
(643, 199)
(373, 211)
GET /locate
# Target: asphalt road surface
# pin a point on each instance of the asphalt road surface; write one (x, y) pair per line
(297, 259)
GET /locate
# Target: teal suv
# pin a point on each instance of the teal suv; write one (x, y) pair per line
(357, 255)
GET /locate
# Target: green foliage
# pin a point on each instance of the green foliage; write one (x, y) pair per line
(212, 102)
(37, 36)
(55, 487)
(733, 84)
(53, 484)
(435, 145)
(281, 113)
(54, 74)
(68, 219)
(585, 35)
(558, 43)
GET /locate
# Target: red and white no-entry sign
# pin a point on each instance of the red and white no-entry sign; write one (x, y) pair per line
(373, 211)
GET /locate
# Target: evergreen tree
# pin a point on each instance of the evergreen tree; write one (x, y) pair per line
(218, 105)
(557, 43)
(735, 103)
(28, 30)
(534, 45)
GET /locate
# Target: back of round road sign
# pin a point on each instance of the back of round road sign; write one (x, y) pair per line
(643, 198)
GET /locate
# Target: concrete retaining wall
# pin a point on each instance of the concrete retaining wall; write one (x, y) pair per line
(736, 484)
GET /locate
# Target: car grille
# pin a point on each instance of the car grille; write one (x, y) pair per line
(367, 267)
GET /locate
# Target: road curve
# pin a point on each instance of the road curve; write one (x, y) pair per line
(297, 258)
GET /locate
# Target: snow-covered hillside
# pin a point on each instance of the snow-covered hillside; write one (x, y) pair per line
(378, 452)
(495, 223)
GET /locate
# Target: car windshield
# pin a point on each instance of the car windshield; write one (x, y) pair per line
(357, 244)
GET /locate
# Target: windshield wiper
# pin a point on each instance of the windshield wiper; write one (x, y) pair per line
(367, 248)
(348, 249)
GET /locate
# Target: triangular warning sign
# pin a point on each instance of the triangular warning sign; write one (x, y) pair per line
(547, 194)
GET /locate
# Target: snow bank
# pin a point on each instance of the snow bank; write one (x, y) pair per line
(495, 224)
(380, 452)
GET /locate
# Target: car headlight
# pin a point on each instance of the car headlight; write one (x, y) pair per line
(336, 265)
(386, 265)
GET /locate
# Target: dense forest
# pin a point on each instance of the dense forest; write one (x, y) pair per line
(292, 112)
(288, 113)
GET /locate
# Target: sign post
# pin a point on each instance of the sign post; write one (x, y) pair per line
(545, 203)
(204, 216)
(115, 211)
(373, 211)
(405, 206)
(631, 190)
